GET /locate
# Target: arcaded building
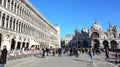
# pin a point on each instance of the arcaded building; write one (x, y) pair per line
(97, 38)
(21, 25)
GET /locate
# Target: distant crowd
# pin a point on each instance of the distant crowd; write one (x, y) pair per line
(43, 52)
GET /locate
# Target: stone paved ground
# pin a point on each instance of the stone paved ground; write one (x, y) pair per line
(64, 61)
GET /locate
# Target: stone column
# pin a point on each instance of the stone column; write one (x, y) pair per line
(5, 41)
(27, 15)
(25, 44)
(9, 23)
(26, 29)
(109, 44)
(2, 2)
(13, 6)
(21, 45)
(10, 5)
(6, 3)
(16, 25)
(15, 45)
(5, 21)
(28, 32)
(17, 8)
(23, 28)
(22, 12)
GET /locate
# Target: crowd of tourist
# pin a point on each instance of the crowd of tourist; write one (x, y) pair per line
(43, 52)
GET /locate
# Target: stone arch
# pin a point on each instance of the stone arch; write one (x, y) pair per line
(85, 44)
(96, 43)
(19, 45)
(23, 44)
(113, 44)
(13, 44)
(106, 44)
(27, 46)
(95, 35)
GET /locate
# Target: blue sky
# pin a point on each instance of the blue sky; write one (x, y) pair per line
(69, 14)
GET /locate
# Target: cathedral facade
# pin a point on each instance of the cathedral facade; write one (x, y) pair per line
(97, 38)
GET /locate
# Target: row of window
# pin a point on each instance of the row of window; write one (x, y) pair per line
(14, 24)
(18, 26)
(25, 13)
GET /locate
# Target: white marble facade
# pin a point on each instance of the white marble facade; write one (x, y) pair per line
(21, 25)
(96, 37)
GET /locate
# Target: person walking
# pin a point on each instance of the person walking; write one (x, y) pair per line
(76, 52)
(70, 52)
(107, 54)
(59, 52)
(91, 55)
(43, 53)
(47, 51)
(53, 52)
(3, 57)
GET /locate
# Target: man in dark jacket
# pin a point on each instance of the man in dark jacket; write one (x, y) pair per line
(3, 57)
(43, 52)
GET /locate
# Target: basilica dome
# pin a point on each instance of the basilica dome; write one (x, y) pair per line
(84, 30)
(96, 26)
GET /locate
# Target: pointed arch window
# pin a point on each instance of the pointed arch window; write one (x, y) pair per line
(15, 7)
(3, 20)
(8, 5)
(4, 2)
(7, 21)
(11, 23)
(14, 24)
(12, 5)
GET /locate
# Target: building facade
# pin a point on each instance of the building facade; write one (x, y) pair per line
(68, 39)
(21, 25)
(97, 38)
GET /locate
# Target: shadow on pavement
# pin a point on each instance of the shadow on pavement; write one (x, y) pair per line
(38, 56)
(113, 62)
(81, 60)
